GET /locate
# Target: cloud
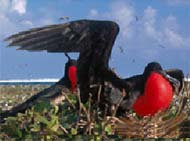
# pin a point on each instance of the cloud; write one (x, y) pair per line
(6, 25)
(167, 34)
(148, 21)
(149, 29)
(19, 6)
(4, 5)
(172, 38)
(124, 14)
(13, 17)
(171, 23)
(46, 21)
(94, 13)
(145, 30)
(121, 12)
(178, 2)
(27, 23)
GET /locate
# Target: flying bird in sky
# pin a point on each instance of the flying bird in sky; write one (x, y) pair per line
(94, 40)
(64, 18)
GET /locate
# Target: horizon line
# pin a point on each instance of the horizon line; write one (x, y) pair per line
(187, 79)
(29, 80)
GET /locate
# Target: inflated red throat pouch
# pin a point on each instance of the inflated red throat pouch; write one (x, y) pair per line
(73, 77)
(157, 96)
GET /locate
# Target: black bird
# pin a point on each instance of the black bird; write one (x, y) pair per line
(51, 93)
(174, 76)
(94, 41)
(70, 79)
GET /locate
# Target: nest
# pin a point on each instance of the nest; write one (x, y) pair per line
(76, 118)
(172, 123)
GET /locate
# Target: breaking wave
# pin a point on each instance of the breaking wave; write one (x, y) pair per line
(29, 81)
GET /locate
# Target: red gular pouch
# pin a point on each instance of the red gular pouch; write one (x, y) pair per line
(158, 94)
(73, 77)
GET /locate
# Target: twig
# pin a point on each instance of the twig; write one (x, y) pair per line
(118, 104)
(98, 102)
(88, 114)
(63, 129)
(80, 103)
(89, 106)
(79, 110)
(69, 101)
(99, 93)
(105, 111)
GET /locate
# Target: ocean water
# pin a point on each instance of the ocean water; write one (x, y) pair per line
(29, 81)
(38, 81)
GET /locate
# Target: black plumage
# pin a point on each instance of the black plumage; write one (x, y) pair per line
(51, 93)
(138, 82)
(94, 41)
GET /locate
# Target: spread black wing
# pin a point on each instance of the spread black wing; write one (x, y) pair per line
(68, 37)
(93, 39)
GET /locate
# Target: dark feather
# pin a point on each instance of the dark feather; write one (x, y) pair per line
(62, 36)
(51, 93)
(93, 39)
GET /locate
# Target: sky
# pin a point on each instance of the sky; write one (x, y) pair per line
(150, 30)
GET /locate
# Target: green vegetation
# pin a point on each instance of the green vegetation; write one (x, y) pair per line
(11, 95)
(49, 121)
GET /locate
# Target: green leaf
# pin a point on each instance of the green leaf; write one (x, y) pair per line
(35, 128)
(54, 123)
(11, 127)
(42, 119)
(42, 106)
(73, 131)
(108, 129)
(56, 109)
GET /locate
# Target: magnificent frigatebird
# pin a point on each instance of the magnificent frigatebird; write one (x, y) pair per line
(94, 41)
(53, 93)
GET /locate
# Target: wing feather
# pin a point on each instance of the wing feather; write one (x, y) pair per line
(69, 37)
(35, 31)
